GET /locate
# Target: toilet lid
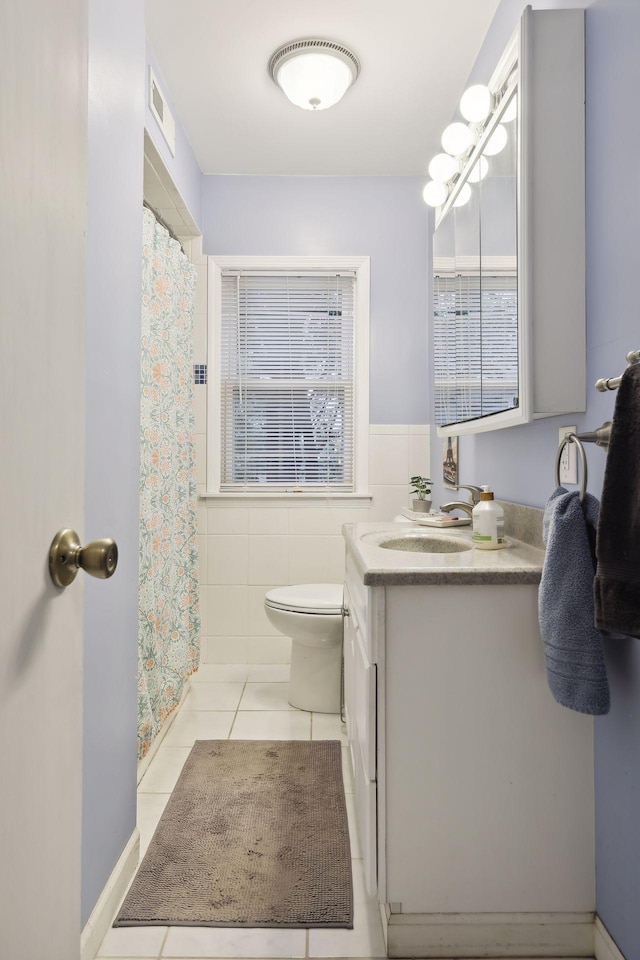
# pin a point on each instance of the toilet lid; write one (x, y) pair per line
(307, 598)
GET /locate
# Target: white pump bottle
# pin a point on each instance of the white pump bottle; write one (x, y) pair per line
(488, 523)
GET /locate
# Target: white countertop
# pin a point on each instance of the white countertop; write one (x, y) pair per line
(518, 562)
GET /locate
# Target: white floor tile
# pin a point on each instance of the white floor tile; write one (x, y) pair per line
(192, 725)
(328, 726)
(266, 696)
(164, 770)
(269, 673)
(271, 725)
(150, 809)
(199, 942)
(132, 942)
(221, 672)
(365, 940)
(215, 696)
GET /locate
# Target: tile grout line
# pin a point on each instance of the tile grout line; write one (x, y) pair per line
(164, 940)
(233, 722)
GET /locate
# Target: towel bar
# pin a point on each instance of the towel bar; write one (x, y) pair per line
(612, 383)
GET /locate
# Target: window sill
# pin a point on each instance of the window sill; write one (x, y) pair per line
(256, 499)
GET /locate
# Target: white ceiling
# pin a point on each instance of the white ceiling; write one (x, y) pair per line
(415, 56)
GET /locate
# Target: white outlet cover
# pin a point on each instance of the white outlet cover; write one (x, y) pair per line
(569, 459)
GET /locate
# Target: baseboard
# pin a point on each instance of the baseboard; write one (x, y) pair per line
(477, 935)
(109, 900)
(604, 944)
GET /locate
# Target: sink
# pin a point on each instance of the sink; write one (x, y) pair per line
(424, 543)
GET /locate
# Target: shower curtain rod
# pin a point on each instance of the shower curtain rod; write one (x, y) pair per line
(163, 223)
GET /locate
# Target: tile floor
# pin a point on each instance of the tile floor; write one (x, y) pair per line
(242, 702)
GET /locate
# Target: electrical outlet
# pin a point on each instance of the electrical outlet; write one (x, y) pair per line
(568, 460)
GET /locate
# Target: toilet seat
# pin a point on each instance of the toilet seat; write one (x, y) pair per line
(320, 599)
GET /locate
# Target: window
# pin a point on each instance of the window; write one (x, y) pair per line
(289, 392)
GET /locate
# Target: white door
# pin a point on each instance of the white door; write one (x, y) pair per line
(43, 107)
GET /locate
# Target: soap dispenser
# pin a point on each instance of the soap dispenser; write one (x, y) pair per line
(488, 522)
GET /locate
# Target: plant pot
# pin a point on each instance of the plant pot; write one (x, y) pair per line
(421, 506)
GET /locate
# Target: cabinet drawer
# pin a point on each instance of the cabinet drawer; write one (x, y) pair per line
(366, 815)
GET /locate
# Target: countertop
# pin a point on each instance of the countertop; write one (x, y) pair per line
(518, 562)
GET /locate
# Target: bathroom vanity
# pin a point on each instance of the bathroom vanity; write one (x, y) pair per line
(474, 788)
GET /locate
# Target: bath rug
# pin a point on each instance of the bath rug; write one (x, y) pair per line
(254, 835)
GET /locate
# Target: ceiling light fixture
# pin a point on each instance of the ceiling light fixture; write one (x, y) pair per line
(314, 74)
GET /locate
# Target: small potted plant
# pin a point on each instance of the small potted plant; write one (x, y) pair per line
(422, 489)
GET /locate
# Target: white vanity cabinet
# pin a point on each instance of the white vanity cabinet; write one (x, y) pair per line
(474, 788)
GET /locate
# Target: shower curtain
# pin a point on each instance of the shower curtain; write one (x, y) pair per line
(169, 618)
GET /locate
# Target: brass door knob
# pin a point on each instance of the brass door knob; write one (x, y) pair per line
(99, 558)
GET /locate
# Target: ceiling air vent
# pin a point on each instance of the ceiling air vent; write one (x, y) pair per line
(160, 110)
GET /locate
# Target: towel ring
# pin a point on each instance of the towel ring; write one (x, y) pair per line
(573, 438)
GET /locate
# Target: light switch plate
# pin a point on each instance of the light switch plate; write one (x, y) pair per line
(569, 459)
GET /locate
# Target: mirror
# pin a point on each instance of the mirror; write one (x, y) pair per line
(476, 338)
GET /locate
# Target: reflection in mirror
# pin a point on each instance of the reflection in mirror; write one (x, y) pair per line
(475, 293)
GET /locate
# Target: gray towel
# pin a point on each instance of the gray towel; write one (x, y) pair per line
(573, 650)
(617, 583)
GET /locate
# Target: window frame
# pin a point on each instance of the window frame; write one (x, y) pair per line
(216, 265)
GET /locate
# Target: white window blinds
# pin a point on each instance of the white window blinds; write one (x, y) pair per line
(287, 382)
(475, 345)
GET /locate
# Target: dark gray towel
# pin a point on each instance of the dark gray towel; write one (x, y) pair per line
(617, 583)
(573, 650)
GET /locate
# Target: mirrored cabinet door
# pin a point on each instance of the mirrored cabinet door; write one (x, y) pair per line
(499, 274)
(509, 337)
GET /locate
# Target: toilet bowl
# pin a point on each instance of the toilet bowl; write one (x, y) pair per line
(311, 614)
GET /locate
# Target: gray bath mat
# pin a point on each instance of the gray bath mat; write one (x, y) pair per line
(254, 835)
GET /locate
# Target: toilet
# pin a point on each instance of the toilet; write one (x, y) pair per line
(311, 614)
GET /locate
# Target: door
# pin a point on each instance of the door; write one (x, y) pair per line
(43, 107)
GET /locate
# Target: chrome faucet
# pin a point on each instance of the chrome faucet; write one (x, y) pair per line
(463, 504)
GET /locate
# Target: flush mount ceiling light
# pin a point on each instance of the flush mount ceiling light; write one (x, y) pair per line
(314, 74)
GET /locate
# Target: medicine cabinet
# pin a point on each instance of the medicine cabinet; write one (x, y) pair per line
(509, 263)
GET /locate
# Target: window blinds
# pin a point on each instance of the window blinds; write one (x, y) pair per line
(475, 345)
(287, 382)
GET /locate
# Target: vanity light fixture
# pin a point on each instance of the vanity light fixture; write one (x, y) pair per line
(496, 142)
(435, 193)
(464, 196)
(314, 74)
(480, 170)
(476, 103)
(443, 167)
(457, 138)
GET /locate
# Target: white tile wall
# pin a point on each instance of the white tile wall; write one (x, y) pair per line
(246, 550)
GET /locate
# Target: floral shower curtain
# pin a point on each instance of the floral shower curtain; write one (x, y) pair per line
(169, 617)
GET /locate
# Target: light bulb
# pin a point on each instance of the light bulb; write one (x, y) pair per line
(456, 139)
(496, 142)
(480, 170)
(434, 194)
(463, 197)
(511, 112)
(443, 167)
(475, 105)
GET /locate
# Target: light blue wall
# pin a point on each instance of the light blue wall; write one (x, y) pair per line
(114, 238)
(518, 462)
(382, 217)
(183, 167)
